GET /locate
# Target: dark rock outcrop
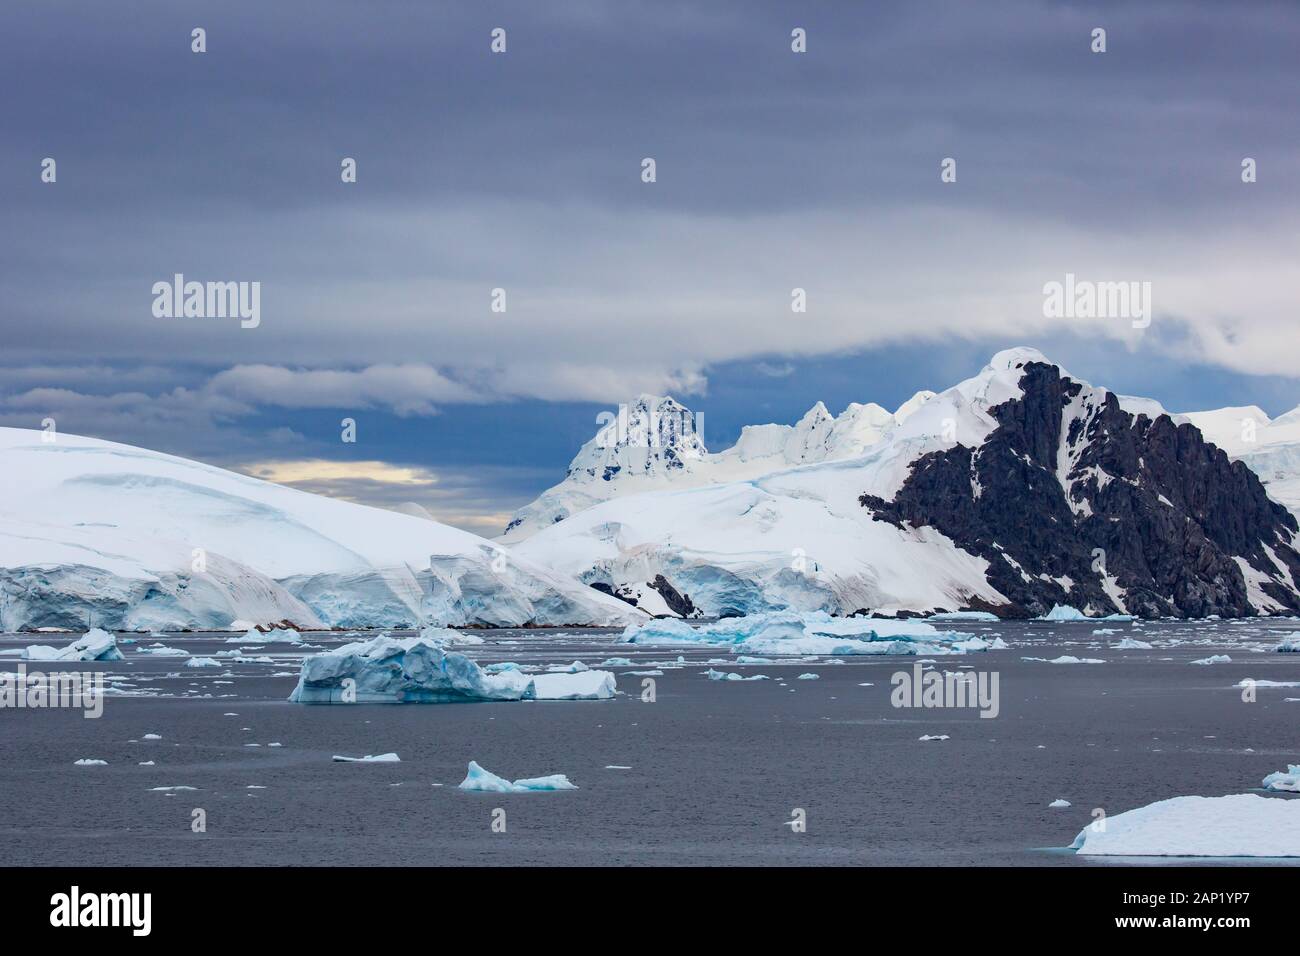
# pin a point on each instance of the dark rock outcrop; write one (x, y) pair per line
(677, 602)
(1073, 500)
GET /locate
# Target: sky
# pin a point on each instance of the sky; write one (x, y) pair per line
(523, 171)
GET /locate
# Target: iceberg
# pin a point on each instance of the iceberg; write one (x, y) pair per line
(585, 685)
(1214, 659)
(1132, 644)
(485, 781)
(1243, 824)
(420, 670)
(94, 645)
(1058, 804)
(1063, 612)
(1290, 644)
(1287, 781)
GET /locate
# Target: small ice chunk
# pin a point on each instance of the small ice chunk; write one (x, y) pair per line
(933, 737)
(1214, 659)
(90, 762)
(809, 676)
(1132, 644)
(1058, 803)
(369, 758)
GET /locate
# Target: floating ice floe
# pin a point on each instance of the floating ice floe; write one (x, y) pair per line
(239, 657)
(94, 645)
(161, 650)
(276, 635)
(203, 662)
(420, 670)
(933, 737)
(577, 667)
(369, 758)
(1242, 824)
(1132, 644)
(1065, 659)
(1058, 804)
(1290, 644)
(1213, 659)
(484, 780)
(90, 762)
(1288, 780)
(723, 675)
(984, 616)
(812, 633)
(809, 676)
(1063, 612)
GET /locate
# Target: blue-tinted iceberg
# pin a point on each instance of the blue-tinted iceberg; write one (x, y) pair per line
(1287, 781)
(484, 780)
(420, 670)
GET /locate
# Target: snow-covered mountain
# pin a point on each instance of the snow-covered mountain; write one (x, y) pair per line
(1016, 490)
(653, 444)
(120, 537)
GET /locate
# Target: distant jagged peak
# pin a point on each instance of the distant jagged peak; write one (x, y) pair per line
(648, 436)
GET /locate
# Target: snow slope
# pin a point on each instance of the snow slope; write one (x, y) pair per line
(794, 535)
(652, 444)
(128, 538)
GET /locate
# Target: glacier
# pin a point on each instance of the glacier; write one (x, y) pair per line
(812, 633)
(1243, 824)
(131, 539)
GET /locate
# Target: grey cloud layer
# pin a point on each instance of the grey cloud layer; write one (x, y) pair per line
(520, 171)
